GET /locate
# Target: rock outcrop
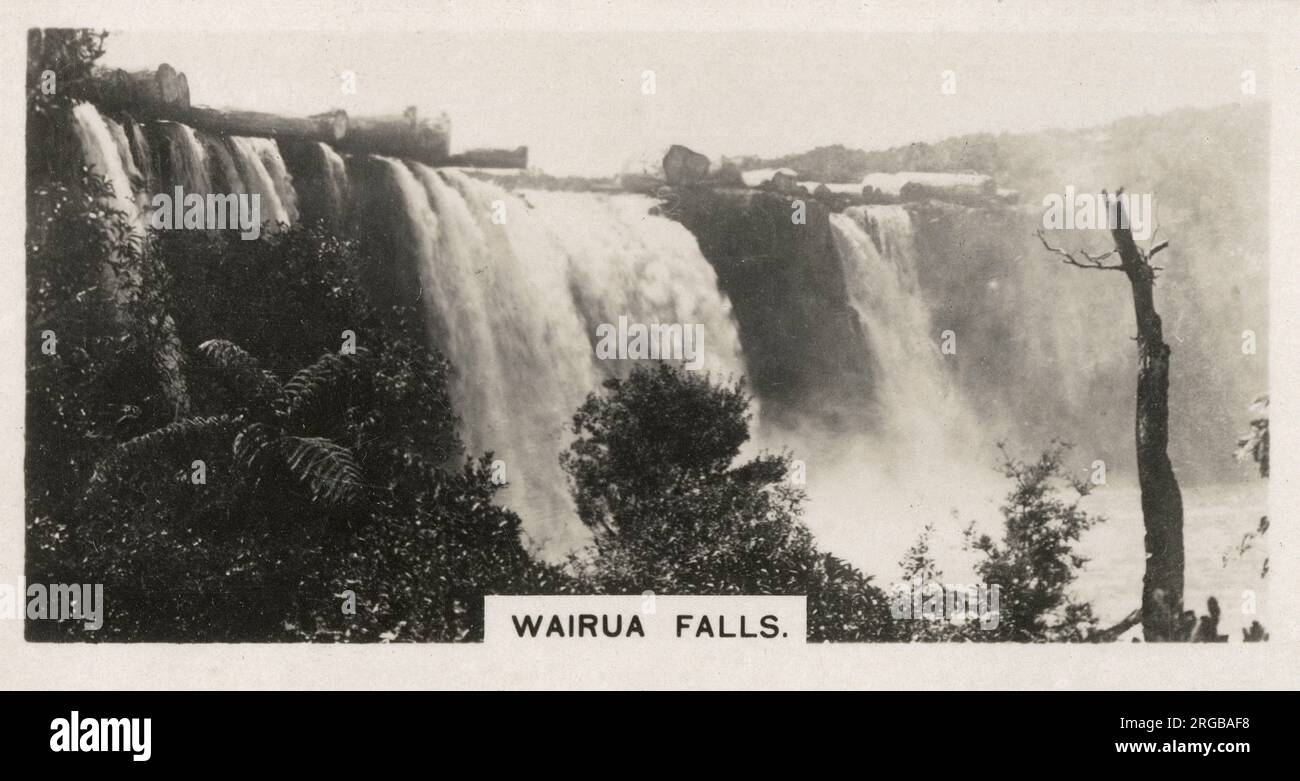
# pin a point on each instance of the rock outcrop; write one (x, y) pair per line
(803, 342)
(684, 166)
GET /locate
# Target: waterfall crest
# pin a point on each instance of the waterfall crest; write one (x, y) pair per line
(197, 162)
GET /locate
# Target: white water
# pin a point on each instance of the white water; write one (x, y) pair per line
(222, 161)
(245, 165)
(100, 154)
(336, 176)
(932, 461)
(257, 178)
(515, 307)
(269, 152)
(872, 492)
(623, 261)
(139, 192)
(142, 155)
(189, 160)
(923, 411)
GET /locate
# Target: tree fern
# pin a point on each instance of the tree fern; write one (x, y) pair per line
(328, 470)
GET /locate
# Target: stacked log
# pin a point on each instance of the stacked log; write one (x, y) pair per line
(165, 89)
(164, 94)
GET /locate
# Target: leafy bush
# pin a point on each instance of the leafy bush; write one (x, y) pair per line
(651, 471)
(1035, 562)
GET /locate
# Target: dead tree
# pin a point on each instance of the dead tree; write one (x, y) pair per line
(1162, 501)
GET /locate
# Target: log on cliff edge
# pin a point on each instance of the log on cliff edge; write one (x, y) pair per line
(491, 158)
(421, 139)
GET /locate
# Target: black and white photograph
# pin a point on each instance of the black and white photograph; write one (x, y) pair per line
(329, 342)
(549, 331)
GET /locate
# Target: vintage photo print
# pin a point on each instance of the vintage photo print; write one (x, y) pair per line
(550, 331)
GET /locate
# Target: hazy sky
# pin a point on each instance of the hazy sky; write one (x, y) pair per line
(576, 100)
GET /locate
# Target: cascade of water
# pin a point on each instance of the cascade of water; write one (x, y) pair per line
(188, 159)
(514, 304)
(522, 356)
(142, 153)
(623, 262)
(102, 156)
(929, 455)
(226, 176)
(257, 179)
(139, 187)
(919, 402)
(337, 180)
(269, 151)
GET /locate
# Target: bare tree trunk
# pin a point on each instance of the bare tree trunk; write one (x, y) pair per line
(1162, 500)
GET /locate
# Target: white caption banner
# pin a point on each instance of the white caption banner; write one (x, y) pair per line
(645, 619)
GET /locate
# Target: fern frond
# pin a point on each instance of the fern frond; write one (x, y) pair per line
(305, 390)
(179, 441)
(327, 469)
(254, 442)
(225, 354)
(248, 378)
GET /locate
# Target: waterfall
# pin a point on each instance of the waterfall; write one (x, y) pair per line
(920, 406)
(103, 156)
(139, 186)
(648, 268)
(142, 153)
(514, 305)
(226, 177)
(336, 177)
(269, 151)
(197, 162)
(188, 159)
(928, 455)
(257, 179)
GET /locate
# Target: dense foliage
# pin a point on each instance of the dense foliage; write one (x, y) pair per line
(305, 492)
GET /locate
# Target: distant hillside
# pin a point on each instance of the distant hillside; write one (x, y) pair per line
(1026, 160)
(1048, 349)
